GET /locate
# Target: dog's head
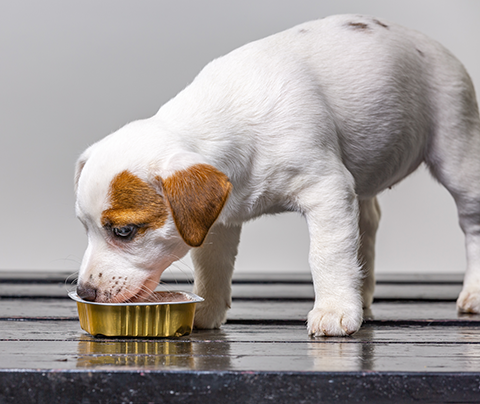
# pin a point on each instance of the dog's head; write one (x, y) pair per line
(142, 211)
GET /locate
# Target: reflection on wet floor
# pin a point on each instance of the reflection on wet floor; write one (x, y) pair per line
(372, 349)
(152, 354)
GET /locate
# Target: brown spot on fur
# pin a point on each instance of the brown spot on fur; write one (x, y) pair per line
(133, 201)
(196, 197)
(358, 26)
(420, 52)
(381, 24)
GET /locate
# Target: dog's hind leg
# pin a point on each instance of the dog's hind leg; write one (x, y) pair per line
(368, 223)
(454, 159)
(463, 182)
(214, 262)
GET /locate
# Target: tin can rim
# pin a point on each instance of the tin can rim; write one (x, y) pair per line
(192, 298)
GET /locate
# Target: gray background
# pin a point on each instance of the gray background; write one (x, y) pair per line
(73, 71)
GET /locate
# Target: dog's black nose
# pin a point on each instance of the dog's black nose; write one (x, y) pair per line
(87, 292)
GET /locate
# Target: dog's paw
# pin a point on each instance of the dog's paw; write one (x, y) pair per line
(210, 316)
(469, 301)
(333, 322)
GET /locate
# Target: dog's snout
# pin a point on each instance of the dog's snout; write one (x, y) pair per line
(87, 292)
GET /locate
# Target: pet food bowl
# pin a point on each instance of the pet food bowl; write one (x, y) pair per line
(165, 314)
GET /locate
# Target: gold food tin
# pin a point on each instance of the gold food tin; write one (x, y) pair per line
(170, 314)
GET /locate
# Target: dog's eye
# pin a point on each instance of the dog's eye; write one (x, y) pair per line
(125, 232)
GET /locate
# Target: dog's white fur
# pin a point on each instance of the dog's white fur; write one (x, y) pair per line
(317, 119)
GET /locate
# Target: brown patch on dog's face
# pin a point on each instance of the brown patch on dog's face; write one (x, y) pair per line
(133, 202)
(196, 197)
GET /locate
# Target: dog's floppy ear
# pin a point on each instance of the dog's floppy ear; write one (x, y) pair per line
(196, 196)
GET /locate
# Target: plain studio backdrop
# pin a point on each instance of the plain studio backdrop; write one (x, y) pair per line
(72, 72)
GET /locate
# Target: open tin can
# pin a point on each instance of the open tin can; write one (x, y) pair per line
(166, 314)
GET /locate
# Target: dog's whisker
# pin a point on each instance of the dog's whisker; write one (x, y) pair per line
(164, 287)
(184, 268)
(71, 285)
(74, 274)
(146, 289)
(188, 276)
(123, 296)
(127, 294)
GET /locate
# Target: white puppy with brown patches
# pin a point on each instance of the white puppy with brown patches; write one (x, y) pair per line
(317, 119)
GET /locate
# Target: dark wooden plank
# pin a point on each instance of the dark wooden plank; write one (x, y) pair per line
(289, 335)
(382, 312)
(255, 311)
(20, 276)
(421, 278)
(271, 291)
(239, 277)
(238, 357)
(29, 309)
(34, 290)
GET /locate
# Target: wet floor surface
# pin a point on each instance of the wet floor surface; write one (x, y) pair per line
(412, 347)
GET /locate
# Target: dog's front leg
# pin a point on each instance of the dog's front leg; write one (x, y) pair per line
(332, 218)
(214, 262)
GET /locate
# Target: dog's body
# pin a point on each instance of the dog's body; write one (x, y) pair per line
(317, 119)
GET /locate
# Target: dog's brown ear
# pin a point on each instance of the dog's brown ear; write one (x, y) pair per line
(196, 196)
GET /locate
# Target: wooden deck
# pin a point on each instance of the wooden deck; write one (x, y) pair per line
(412, 348)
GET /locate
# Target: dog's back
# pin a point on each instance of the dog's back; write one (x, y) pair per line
(354, 85)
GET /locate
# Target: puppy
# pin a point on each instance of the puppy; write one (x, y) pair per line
(318, 120)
